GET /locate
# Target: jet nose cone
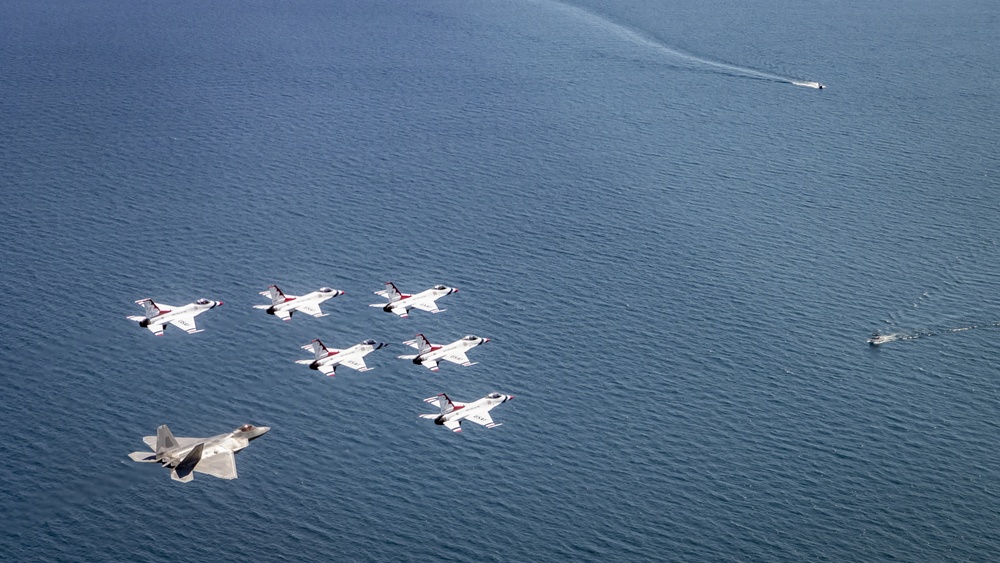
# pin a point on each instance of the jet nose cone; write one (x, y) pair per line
(259, 431)
(485, 340)
(509, 397)
(453, 290)
(217, 304)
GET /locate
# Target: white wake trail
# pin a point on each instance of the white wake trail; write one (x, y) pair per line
(641, 39)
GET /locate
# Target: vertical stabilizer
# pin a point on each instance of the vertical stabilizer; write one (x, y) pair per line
(151, 308)
(164, 439)
(423, 345)
(319, 349)
(445, 403)
(276, 295)
(391, 292)
(185, 469)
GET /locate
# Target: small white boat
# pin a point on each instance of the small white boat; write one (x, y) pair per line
(877, 338)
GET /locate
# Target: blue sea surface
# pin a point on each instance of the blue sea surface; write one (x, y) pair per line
(676, 252)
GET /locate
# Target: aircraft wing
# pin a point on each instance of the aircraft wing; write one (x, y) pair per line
(458, 358)
(453, 425)
(185, 323)
(311, 309)
(221, 465)
(357, 363)
(483, 418)
(426, 305)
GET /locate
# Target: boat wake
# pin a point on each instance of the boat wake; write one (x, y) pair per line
(878, 339)
(639, 38)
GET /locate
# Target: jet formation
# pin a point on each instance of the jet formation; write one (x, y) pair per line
(213, 456)
(428, 354)
(159, 315)
(216, 455)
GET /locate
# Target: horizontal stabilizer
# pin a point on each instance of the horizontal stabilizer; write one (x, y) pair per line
(145, 457)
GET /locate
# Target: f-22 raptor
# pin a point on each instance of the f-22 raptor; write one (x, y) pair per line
(213, 456)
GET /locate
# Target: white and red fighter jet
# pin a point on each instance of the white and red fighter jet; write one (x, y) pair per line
(401, 303)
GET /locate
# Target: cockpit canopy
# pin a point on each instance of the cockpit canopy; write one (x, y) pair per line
(203, 301)
(325, 290)
(494, 395)
(439, 286)
(471, 337)
(369, 342)
(246, 428)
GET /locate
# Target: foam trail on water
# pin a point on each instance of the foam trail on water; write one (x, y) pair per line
(639, 38)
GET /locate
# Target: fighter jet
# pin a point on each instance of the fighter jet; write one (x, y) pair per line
(213, 456)
(428, 354)
(452, 414)
(327, 360)
(158, 315)
(401, 303)
(282, 306)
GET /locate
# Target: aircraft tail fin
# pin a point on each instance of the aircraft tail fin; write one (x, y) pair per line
(392, 292)
(164, 439)
(443, 401)
(152, 309)
(277, 296)
(423, 345)
(184, 471)
(317, 348)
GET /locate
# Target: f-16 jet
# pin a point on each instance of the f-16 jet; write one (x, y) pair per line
(428, 354)
(282, 306)
(453, 413)
(327, 360)
(213, 456)
(158, 315)
(401, 303)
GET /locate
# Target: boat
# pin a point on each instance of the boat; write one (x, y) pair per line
(877, 338)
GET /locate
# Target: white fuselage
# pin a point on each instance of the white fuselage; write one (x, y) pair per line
(212, 446)
(438, 352)
(293, 302)
(337, 357)
(174, 313)
(428, 296)
(484, 405)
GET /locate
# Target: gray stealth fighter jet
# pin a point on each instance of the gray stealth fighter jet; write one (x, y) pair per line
(213, 456)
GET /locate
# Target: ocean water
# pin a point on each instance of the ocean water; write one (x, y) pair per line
(677, 253)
